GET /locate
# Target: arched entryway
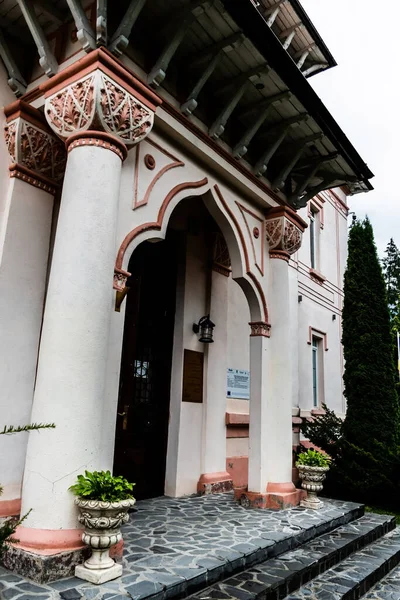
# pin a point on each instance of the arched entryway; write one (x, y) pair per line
(172, 284)
(144, 390)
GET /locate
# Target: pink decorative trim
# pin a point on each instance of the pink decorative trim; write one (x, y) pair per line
(176, 163)
(48, 541)
(234, 419)
(317, 276)
(244, 210)
(155, 225)
(235, 222)
(99, 139)
(215, 483)
(318, 204)
(10, 508)
(35, 179)
(322, 334)
(260, 328)
(281, 254)
(149, 161)
(281, 488)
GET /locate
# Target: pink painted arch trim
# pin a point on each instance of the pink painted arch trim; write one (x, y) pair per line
(157, 224)
(10, 508)
(49, 541)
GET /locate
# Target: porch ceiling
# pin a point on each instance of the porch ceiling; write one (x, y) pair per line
(240, 68)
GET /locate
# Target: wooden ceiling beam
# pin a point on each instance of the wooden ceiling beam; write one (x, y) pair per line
(120, 39)
(85, 33)
(279, 181)
(15, 80)
(47, 59)
(51, 11)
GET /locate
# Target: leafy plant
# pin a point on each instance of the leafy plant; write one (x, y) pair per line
(101, 485)
(325, 431)
(9, 526)
(313, 458)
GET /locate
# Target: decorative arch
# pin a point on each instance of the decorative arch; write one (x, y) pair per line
(232, 231)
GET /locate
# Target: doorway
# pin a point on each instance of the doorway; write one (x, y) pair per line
(144, 390)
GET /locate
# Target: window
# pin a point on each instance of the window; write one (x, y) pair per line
(317, 371)
(313, 239)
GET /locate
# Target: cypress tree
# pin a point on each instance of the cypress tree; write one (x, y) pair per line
(371, 427)
(391, 273)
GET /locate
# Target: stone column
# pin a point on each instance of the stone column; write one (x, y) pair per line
(214, 477)
(270, 454)
(38, 162)
(74, 346)
(284, 230)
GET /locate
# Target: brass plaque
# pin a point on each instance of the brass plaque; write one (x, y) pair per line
(193, 376)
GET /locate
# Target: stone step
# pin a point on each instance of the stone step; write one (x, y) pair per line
(275, 578)
(386, 589)
(357, 574)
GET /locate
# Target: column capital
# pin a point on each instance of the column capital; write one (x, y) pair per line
(38, 157)
(283, 229)
(98, 93)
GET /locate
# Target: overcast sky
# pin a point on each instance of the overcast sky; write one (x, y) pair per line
(363, 95)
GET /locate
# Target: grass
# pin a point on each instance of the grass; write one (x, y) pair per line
(382, 511)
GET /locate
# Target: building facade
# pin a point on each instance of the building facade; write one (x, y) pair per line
(161, 166)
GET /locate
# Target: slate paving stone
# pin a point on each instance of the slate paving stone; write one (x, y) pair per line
(194, 542)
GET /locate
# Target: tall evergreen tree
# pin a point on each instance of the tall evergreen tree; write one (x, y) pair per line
(391, 272)
(371, 428)
(369, 378)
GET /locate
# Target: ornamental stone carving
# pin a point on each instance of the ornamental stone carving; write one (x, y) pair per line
(260, 328)
(283, 229)
(107, 99)
(38, 156)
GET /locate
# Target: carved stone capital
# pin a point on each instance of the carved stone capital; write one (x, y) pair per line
(283, 229)
(260, 328)
(37, 155)
(99, 94)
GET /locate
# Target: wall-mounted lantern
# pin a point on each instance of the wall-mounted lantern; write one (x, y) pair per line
(205, 327)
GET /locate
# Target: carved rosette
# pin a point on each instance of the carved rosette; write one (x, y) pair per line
(283, 231)
(98, 103)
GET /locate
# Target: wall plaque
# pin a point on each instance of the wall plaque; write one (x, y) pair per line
(193, 376)
(238, 384)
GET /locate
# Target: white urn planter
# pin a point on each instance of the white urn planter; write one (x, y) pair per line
(311, 481)
(102, 522)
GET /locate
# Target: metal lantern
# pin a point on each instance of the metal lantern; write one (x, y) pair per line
(205, 327)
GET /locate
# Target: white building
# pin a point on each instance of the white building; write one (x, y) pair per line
(192, 137)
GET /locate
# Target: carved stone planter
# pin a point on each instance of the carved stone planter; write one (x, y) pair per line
(311, 481)
(102, 522)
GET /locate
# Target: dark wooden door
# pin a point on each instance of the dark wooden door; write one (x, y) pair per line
(144, 391)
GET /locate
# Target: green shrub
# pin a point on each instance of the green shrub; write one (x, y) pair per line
(101, 485)
(325, 431)
(313, 458)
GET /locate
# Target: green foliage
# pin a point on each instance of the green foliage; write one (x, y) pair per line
(8, 429)
(366, 465)
(369, 378)
(9, 526)
(101, 485)
(7, 531)
(391, 272)
(325, 431)
(313, 458)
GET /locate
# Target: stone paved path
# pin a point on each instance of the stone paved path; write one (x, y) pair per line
(173, 547)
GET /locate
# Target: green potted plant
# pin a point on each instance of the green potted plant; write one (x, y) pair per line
(312, 466)
(103, 502)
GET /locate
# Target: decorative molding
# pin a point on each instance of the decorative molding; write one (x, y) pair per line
(281, 254)
(98, 139)
(317, 276)
(38, 153)
(151, 165)
(120, 279)
(157, 225)
(249, 214)
(21, 172)
(260, 328)
(221, 259)
(149, 161)
(283, 229)
(98, 93)
(321, 334)
(317, 204)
